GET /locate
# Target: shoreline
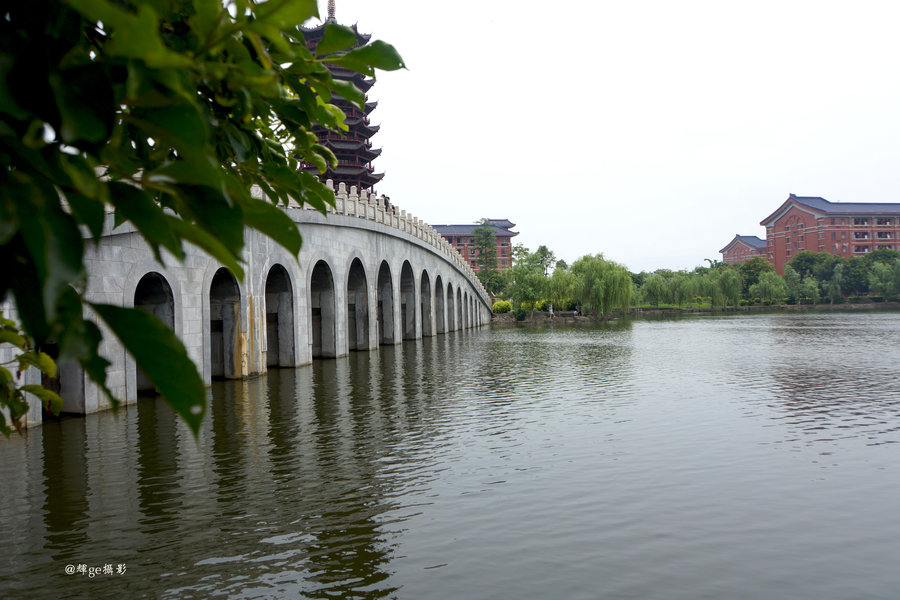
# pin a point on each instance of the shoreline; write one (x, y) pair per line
(569, 318)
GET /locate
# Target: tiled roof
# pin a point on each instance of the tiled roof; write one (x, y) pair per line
(847, 207)
(751, 240)
(468, 230)
(843, 208)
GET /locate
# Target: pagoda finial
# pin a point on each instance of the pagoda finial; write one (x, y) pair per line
(331, 18)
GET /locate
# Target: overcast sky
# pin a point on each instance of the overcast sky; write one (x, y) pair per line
(652, 131)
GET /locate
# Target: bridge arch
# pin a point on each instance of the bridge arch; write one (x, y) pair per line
(385, 299)
(439, 315)
(425, 302)
(459, 308)
(154, 295)
(357, 306)
(451, 307)
(279, 295)
(322, 311)
(407, 302)
(225, 326)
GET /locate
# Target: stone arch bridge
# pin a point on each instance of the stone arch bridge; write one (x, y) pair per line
(366, 276)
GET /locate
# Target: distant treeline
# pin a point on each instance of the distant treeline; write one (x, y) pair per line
(595, 285)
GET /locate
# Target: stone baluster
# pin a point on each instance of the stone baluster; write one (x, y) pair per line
(352, 204)
(362, 207)
(379, 212)
(351, 200)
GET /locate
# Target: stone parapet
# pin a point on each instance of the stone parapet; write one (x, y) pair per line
(368, 206)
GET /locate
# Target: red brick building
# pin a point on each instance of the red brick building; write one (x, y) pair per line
(844, 228)
(462, 237)
(742, 248)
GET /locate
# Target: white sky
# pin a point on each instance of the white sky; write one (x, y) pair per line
(650, 131)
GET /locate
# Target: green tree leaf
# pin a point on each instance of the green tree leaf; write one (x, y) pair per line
(49, 398)
(274, 223)
(336, 37)
(365, 59)
(162, 357)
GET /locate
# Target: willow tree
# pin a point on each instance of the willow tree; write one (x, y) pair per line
(601, 285)
(164, 113)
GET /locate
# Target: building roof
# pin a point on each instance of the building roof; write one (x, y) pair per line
(468, 230)
(823, 206)
(504, 223)
(751, 240)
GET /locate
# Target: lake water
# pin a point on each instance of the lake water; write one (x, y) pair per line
(747, 456)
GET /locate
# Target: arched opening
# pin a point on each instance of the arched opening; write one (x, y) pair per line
(439, 322)
(385, 305)
(321, 303)
(451, 309)
(279, 319)
(425, 304)
(465, 306)
(407, 302)
(458, 318)
(357, 307)
(224, 326)
(154, 295)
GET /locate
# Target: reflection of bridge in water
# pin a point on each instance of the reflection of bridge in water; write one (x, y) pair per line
(365, 277)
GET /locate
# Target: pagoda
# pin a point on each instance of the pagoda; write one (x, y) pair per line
(353, 149)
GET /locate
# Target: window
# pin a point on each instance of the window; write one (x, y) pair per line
(860, 221)
(860, 249)
(860, 235)
(884, 221)
(884, 235)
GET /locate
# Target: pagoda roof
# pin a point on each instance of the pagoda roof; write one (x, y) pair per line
(316, 32)
(359, 124)
(353, 146)
(361, 172)
(504, 223)
(468, 230)
(824, 207)
(357, 79)
(750, 240)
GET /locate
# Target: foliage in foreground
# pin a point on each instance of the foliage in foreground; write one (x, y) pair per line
(164, 113)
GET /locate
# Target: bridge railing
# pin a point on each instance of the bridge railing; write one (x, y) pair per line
(370, 207)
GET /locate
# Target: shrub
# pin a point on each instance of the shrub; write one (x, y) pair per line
(521, 312)
(502, 306)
